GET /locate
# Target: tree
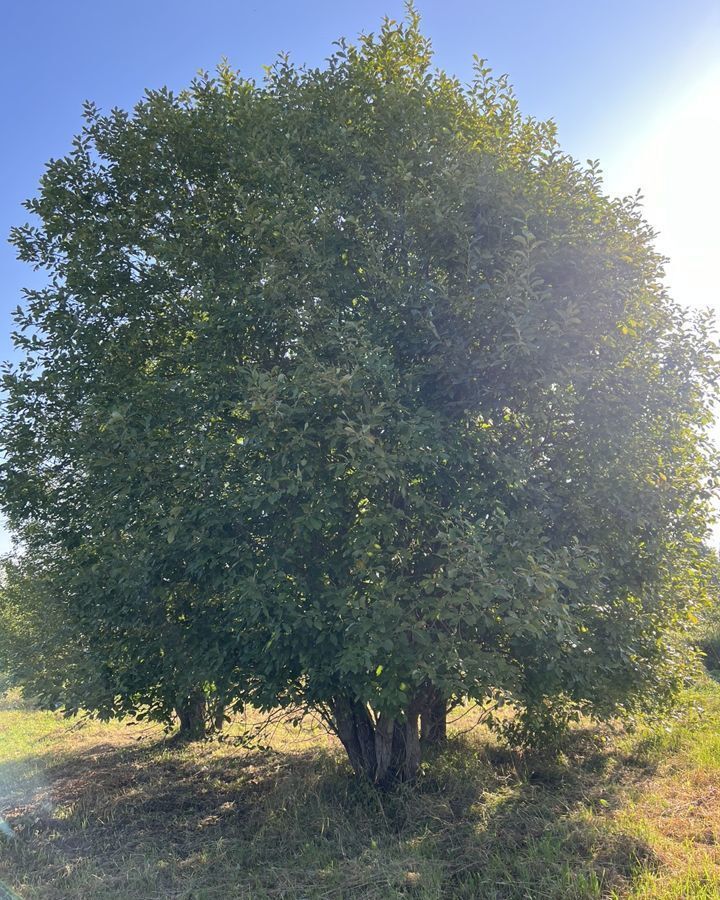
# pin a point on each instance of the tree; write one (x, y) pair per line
(61, 663)
(352, 390)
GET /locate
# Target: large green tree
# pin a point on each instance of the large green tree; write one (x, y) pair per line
(350, 389)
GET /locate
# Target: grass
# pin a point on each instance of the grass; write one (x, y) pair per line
(110, 811)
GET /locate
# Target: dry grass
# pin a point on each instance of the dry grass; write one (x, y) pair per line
(109, 811)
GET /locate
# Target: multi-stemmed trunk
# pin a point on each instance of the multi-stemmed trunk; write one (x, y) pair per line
(199, 715)
(192, 712)
(384, 749)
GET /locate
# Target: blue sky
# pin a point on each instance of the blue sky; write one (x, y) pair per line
(633, 83)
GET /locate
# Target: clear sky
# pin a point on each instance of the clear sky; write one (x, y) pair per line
(635, 83)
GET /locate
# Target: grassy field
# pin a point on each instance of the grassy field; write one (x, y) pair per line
(103, 811)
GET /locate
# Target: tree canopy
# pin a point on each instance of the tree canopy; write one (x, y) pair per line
(350, 389)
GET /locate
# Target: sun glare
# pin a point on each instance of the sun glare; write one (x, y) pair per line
(674, 162)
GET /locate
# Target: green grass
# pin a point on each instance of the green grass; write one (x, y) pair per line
(110, 811)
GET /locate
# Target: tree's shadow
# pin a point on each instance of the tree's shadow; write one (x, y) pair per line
(211, 821)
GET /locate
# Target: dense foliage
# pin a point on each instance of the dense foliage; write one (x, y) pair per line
(350, 389)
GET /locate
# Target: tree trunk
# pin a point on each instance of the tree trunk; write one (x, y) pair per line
(382, 749)
(192, 713)
(219, 716)
(433, 720)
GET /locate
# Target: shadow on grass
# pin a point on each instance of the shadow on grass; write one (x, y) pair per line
(212, 821)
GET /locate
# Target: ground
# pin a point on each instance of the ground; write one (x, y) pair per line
(118, 811)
